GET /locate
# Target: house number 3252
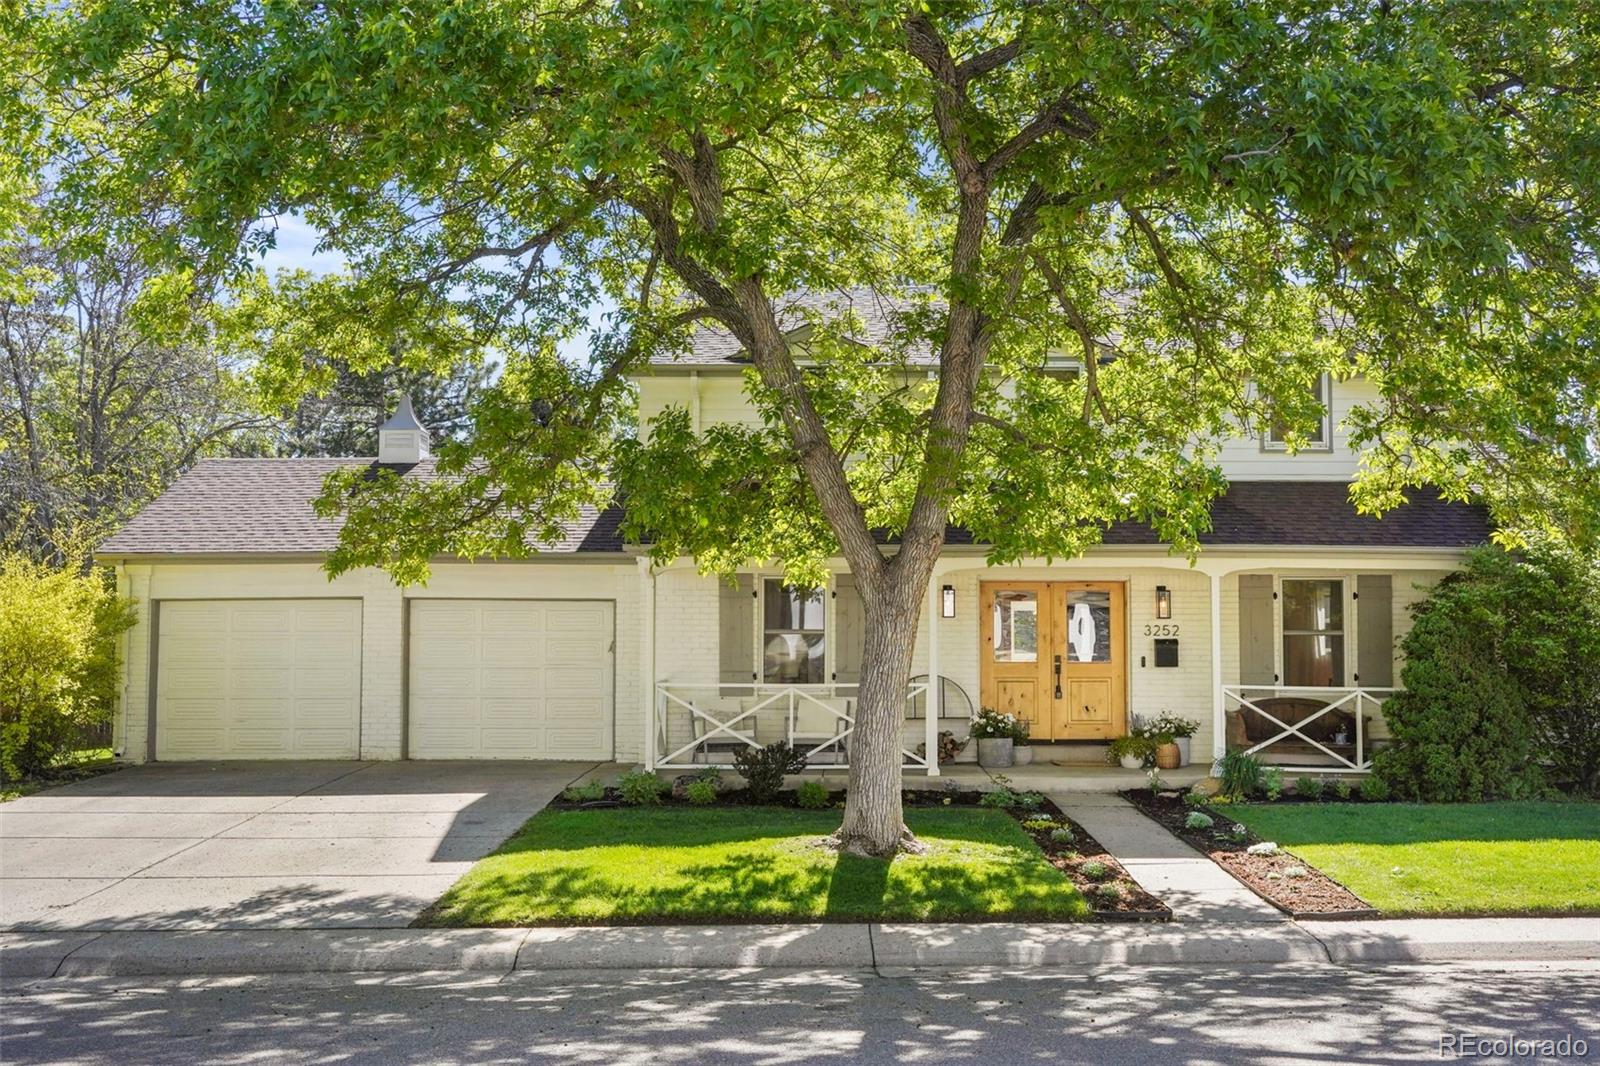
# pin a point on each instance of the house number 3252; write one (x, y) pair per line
(1161, 629)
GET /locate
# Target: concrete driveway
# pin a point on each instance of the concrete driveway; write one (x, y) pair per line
(259, 845)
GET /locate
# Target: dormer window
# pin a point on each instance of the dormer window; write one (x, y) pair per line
(1319, 438)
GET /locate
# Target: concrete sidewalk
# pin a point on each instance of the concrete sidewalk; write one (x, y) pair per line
(817, 946)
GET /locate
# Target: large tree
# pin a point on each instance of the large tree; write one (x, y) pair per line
(1209, 203)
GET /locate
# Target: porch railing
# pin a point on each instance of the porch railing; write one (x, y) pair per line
(690, 732)
(1293, 737)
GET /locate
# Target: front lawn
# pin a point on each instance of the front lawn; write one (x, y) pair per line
(77, 765)
(753, 864)
(1438, 859)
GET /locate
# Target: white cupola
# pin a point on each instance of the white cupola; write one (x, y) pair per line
(402, 440)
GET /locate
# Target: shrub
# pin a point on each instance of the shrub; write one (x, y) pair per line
(1502, 682)
(59, 633)
(1095, 870)
(1062, 835)
(1039, 825)
(1008, 798)
(1109, 891)
(1272, 783)
(1137, 745)
(1342, 790)
(588, 792)
(1241, 775)
(701, 792)
(1196, 820)
(640, 788)
(1374, 789)
(764, 769)
(812, 795)
(1308, 787)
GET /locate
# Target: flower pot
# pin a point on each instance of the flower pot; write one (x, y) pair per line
(1183, 749)
(1021, 754)
(994, 751)
(1168, 757)
(1132, 762)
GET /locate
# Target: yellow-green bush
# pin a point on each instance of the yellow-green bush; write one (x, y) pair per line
(58, 660)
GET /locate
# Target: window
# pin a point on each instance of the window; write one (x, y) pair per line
(1313, 633)
(1320, 436)
(1089, 625)
(792, 635)
(1016, 627)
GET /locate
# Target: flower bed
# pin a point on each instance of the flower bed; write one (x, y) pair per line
(1284, 880)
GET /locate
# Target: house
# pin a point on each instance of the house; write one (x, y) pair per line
(1281, 637)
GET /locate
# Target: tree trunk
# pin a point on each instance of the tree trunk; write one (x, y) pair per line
(874, 822)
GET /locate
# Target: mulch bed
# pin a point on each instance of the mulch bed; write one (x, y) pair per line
(1127, 903)
(1284, 880)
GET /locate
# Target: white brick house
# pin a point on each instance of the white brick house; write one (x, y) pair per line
(245, 649)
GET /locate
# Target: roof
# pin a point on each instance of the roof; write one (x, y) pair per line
(1319, 514)
(404, 418)
(877, 314)
(263, 507)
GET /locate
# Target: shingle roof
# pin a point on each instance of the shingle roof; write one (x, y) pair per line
(876, 311)
(263, 506)
(1316, 513)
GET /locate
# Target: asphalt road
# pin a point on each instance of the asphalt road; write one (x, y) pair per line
(1302, 1015)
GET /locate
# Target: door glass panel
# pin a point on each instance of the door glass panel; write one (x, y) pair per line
(1088, 625)
(1016, 626)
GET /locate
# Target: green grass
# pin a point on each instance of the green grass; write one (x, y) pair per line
(1439, 859)
(752, 864)
(85, 762)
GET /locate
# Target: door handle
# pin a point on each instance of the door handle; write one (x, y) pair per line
(1058, 677)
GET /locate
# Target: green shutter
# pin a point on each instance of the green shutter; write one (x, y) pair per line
(850, 630)
(1255, 630)
(1375, 630)
(736, 616)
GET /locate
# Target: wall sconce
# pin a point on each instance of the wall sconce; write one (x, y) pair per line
(1163, 602)
(948, 602)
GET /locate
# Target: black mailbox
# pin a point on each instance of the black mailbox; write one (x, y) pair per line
(1166, 651)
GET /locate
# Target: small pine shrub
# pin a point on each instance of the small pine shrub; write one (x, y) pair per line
(1196, 820)
(701, 793)
(1095, 870)
(1374, 789)
(1308, 787)
(641, 788)
(588, 792)
(1272, 783)
(1341, 790)
(812, 795)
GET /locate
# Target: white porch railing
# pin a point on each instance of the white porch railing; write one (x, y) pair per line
(1357, 703)
(700, 725)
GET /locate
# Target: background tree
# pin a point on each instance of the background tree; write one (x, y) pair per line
(1210, 203)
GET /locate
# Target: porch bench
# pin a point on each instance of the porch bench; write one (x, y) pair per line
(1247, 728)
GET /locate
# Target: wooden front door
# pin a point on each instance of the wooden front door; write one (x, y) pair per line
(1054, 653)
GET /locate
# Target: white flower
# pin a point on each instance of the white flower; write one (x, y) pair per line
(1266, 847)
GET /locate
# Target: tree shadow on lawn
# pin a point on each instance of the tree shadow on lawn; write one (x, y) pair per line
(632, 866)
(1300, 825)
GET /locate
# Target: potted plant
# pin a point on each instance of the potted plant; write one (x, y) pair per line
(1021, 751)
(995, 734)
(1131, 751)
(1178, 731)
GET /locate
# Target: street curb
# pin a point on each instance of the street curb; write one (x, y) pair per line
(820, 946)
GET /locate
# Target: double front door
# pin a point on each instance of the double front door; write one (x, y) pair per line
(1055, 654)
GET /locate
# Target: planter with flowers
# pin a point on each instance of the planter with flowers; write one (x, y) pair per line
(1169, 728)
(997, 734)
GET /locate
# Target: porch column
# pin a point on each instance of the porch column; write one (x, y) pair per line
(1219, 710)
(647, 627)
(933, 701)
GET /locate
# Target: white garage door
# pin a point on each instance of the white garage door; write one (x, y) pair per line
(259, 679)
(510, 679)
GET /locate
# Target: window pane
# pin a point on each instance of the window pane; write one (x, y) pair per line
(1016, 627)
(1315, 660)
(792, 608)
(794, 659)
(1089, 626)
(1313, 606)
(1315, 435)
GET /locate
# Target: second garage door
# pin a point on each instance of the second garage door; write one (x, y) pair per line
(510, 679)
